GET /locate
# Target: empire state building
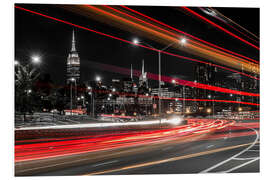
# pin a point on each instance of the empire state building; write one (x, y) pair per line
(73, 64)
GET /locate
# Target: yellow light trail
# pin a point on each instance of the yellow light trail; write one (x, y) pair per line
(159, 34)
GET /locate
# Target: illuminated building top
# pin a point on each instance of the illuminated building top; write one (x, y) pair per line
(73, 63)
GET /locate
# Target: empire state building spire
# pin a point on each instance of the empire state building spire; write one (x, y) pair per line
(73, 48)
(73, 64)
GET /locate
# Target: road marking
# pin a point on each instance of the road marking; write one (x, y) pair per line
(241, 165)
(234, 156)
(100, 164)
(210, 146)
(168, 160)
(254, 150)
(250, 158)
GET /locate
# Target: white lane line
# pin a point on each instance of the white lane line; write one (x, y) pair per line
(250, 158)
(108, 162)
(227, 160)
(254, 150)
(241, 165)
(209, 146)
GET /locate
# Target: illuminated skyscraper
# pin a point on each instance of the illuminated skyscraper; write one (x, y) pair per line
(73, 64)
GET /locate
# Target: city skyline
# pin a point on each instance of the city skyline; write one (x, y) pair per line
(91, 43)
(117, 90)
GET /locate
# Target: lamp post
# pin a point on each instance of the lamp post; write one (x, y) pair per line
(98, 79)
(71, 105)
(136, 41)
(82, 97)
(212, 97)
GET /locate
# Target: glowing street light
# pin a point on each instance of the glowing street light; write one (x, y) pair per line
(135, 41)
(208, 110)
(16, 63)
(36, 59)
(113, 90)
(98, 78)
(173, 81)
(183, 41)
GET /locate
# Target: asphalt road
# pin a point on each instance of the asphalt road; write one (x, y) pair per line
(174, 157)
(229, 150)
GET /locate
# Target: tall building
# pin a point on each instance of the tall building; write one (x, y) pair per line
(143, 81)
(73, 63)
(205, 74)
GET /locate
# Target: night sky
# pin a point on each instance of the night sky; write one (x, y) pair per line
(52, 40)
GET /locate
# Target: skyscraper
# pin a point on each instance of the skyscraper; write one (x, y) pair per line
(73, 63)
(143, 81)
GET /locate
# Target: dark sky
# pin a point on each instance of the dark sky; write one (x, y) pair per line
(52, 40)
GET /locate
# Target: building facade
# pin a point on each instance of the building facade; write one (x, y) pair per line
(73, 64)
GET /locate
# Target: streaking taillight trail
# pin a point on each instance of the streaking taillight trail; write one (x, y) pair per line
(66, 147)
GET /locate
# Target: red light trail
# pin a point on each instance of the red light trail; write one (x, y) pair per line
(170, 27)
(219, 27)
(168, 79)
(46, 150)
(226, 23)
(169, 32)
(126, 41)
(154, 33)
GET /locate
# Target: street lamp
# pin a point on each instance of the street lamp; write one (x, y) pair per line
(71, 105)
(16, 63)
(36, 59)
(98, 78)
(173, 81)
(182, 42)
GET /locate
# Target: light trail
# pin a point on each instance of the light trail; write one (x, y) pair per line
(178, 81)
(215, 14)
(136, 73)
(174, 34)
(228, 19)
(174, 98)
(45, 150)
(165, 38)
(126, 41)
(219, 27)
(189, 35)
